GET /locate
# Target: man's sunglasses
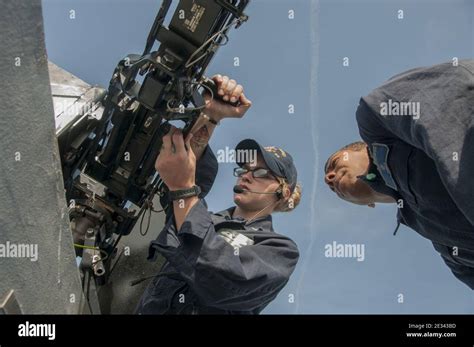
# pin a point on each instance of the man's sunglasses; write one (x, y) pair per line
(256, 173)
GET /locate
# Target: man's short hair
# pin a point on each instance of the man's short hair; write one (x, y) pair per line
(354, 146)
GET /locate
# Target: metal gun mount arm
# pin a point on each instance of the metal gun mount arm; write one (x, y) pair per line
(108, 150)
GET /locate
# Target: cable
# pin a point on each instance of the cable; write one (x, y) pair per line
(148, 223)
(188, 64)
(148, 205)
(220, 32)
(255, 215)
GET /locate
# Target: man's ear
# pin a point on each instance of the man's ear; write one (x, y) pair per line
(371, 205)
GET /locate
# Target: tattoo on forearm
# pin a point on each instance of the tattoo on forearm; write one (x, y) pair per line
(200, 137)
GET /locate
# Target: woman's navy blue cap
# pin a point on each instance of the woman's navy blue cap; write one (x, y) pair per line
(278, 161)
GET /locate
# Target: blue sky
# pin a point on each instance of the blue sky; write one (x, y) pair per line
(279, 60)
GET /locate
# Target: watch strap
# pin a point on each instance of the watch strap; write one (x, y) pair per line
(184, 193)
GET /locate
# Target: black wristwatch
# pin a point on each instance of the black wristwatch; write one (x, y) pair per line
(184, 193)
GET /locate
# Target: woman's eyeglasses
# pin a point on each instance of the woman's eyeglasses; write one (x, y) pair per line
(256, 173)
